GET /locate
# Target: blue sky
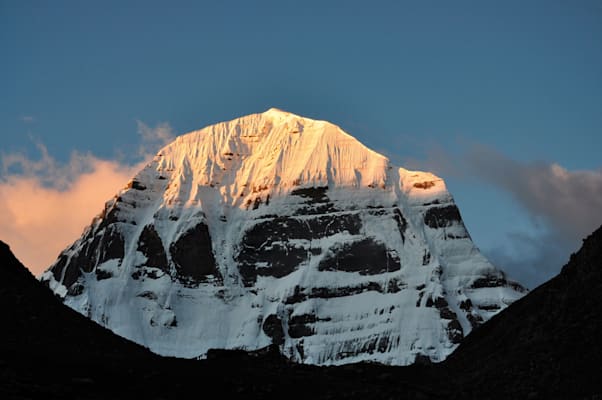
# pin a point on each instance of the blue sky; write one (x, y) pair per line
(432, 84)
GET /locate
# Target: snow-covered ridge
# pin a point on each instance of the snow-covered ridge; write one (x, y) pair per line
(277, 228)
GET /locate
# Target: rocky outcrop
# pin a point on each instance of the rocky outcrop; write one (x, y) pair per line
(192, 255)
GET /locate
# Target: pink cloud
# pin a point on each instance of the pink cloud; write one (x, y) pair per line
(39, 221)
(45, 205)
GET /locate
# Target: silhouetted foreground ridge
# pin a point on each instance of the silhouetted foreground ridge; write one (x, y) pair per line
(546, 345)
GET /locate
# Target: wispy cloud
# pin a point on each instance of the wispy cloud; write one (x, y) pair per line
(532, 258)
(28, 119)
(153, 138)
(48, 171)
(569, 200)
(46, 203)
(564, 204)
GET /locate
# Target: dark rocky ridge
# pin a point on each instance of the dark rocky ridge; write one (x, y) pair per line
(547, 345)
(49, 351)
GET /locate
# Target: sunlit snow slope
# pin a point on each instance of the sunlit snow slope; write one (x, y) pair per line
(278, 228)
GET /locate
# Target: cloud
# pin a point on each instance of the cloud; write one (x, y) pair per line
(47, 204)
(569, 200)
(153, 138)
(531, 258)
(40, 218)
(28, 119)
(563, 206)
(46, 169)
(566, 204)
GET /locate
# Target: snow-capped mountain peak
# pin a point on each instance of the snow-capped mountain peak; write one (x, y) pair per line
(275, 228)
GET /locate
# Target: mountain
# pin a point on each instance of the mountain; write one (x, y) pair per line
(275, 228)
(545, 345)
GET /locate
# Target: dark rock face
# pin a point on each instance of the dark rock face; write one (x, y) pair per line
(144, 272)
(490, 281)
(193, 257)
(284, 228)
(475, 320)
(272, 326)
(100, 246)
(426, 257)
(102, 274)
(264, 249)
(76, 289)
(317, 200)
(466, 305)
(59, 268)
(402, 224)
(110, 214)
(300, 295)
(454, 329)
(313, 194)
(111, 245)
(367, 256)
(151, 246)
(376, 344)
(191, 253)
(278, 258)
(265, 244)
(300, 325)
(136, 185)
(441, 217)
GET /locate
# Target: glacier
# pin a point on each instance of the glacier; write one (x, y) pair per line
(278, 229)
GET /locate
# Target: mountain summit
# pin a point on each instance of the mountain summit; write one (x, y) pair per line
(275, 228)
